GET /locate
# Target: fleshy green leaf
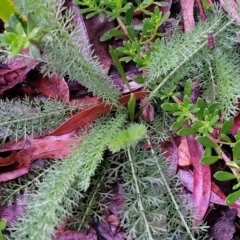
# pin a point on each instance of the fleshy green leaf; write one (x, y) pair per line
(7, 8)
(201, 106)
(236, 186)
(214, 120)
(207, 152)
(131, 106)
(187, 131)
(236, 151)
(206, 142)
(188, 88)
(224, 176)
(213, 107)
(129, 16)
(139, 80)
(3, 224)
(237, 136)
(171, 107)
(208, 160)
(119, 66)
(175, 126)
(225, 138)
(233, 197)
(232, 164)
(111, 33)
(227, 125)
(34, 51)
(131, 33)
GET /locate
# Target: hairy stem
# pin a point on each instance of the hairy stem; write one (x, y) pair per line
(140, 204)
(170, 193)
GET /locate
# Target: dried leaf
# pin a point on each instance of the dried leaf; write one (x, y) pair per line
(184, 158)
(187, 11)
(202, 179)
(8, 160)
(15, 76)
(86, 116)
(53, 87)
(48, 147)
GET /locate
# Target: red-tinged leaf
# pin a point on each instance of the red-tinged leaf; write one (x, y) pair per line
(186, 178)
(187, 10)
(184, 158)
(74, 235)
(202, 180)
(218, 197)
(53, 87)
(8, 160)
(236, 125)
(148, 110)
(86, 116)
(13, 211)
(48, 147)
(170, 150)
(12, 78)
(231, 7)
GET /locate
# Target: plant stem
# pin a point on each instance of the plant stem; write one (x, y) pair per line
(170, 193)
(122, 25)
(140, 205)
(153, 93)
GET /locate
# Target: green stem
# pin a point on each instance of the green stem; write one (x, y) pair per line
(170, 192)
(140, 204)
(122, 25)
(153, 93)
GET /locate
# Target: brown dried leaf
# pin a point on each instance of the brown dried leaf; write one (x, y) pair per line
(53, 87)
(187, 10)
(73, 235)
(183, 153)
(16, 75)
(202, 179)
(86, 116)
(96, 28)
(48, 147)
(5, 161)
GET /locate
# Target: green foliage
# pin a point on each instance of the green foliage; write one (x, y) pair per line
(25, 118)
(3, 224)
(19, 35)
(223, 81)
(95, 199)
(202, 120)
(185, 55)
(153, 199)
(58, 32)
(128, 137)
(6, 9)
(138, 36)
(26, 184)
(65, 183)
